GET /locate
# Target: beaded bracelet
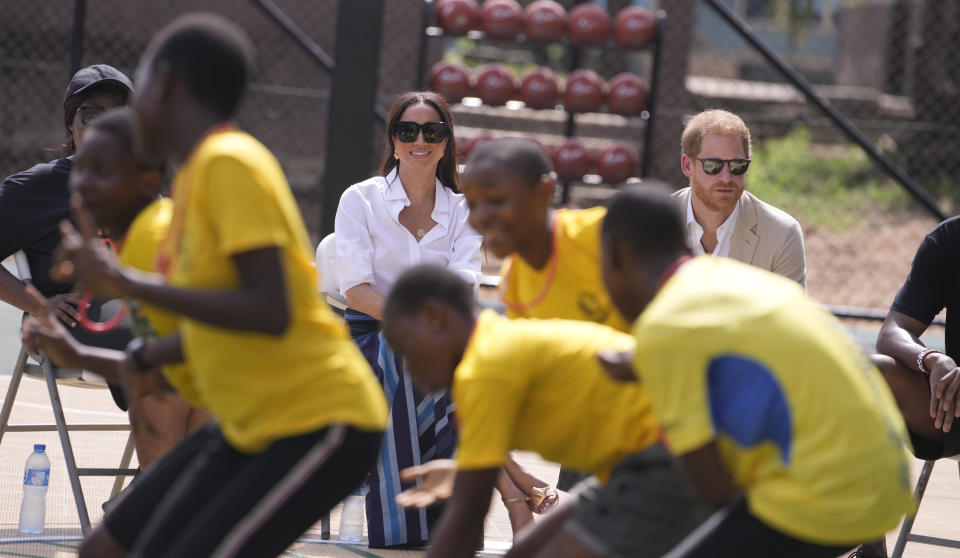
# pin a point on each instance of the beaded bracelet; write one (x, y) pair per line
(923, 356)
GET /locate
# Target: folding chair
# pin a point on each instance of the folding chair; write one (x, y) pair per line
(52, 376)
(327, 277)
(905, 535)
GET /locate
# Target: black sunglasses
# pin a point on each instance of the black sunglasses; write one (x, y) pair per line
(433, 132)
(712, 165)
(88, 113)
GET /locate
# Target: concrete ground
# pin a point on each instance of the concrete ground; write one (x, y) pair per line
(937, 516)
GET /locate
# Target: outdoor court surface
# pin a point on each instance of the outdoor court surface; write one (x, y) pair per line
(939, 514)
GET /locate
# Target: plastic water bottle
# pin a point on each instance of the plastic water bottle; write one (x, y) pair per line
(36, 477)
(351, 517)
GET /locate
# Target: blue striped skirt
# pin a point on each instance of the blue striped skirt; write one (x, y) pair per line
(420, 428)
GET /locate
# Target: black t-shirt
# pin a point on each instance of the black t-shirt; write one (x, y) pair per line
(934, 281)
(32, 205)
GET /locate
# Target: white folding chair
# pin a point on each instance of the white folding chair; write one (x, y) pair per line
(44, 370)
(905, 535)
(327, 277)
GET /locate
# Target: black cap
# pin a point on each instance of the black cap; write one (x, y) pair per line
(95, 75)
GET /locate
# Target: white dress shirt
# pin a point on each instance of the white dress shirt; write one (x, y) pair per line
(724, 232)
(373, 247)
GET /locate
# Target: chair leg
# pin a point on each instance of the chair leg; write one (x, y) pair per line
(12, 390)
(908, 521)
(124, 463)
(65, 444)
(325, 526)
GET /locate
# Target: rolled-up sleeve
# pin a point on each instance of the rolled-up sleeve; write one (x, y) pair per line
(354, 243)
(465, 257)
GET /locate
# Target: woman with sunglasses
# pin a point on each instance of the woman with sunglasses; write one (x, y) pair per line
(34, 202)
(411, 213)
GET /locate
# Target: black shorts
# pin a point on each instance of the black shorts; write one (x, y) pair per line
(733, 532)
(926, 449)
(204, 498)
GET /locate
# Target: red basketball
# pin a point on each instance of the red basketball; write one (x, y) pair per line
(467, 145)
(546, 21)
(450, 80)
(589, 24)
(634, 27)
(539, 89)
(616, 163)
(571, 160)
(585, 92)
(628, 95)
(495, 84)
(502, 18)
(458, 16)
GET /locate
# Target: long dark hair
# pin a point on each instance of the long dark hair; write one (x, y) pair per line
(447, 168)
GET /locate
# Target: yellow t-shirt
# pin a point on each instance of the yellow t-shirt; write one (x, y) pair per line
(569, 286)
(536, 385)
(805, 424)
(139, 251)
(231, 197)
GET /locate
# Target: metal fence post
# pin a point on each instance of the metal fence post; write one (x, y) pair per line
(352, 100)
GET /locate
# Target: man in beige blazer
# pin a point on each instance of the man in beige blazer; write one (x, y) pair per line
(721, 218)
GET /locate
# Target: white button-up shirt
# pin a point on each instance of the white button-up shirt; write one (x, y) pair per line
(724, 232)
(373, 247)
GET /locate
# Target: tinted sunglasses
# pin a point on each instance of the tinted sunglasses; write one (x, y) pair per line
(88, 113)
(712, 165)
(433, 132)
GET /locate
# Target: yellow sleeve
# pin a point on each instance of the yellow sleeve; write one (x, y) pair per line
(243, 207)
(486, 413)
(676, 380)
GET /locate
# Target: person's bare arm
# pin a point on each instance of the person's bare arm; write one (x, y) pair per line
(366, 299)
(14, 292)
(259, 304)
(709, 476)
(899, 338)
(460, 529)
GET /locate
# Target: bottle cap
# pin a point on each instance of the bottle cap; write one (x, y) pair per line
(39, 447)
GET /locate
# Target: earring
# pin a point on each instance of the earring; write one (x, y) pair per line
(395, 156)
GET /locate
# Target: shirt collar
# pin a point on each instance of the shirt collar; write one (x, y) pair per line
(693, 225)
(731, 220)
(394, 192)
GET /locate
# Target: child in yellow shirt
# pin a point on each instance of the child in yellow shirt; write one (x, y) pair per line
(551, 258)
(122, 196)
(538, 385)
(777, 418)
(299, 415)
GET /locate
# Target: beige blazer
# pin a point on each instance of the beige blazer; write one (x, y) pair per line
(764, 236)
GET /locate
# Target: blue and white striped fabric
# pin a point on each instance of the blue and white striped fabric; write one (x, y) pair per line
(420, 429)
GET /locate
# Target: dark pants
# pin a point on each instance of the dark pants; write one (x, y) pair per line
(204, 498)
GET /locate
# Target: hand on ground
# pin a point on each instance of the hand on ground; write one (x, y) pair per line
(435, 482)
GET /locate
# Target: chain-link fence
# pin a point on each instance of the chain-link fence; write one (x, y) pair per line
(286, 106)
(885, 64)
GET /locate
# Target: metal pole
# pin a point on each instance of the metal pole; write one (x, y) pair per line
(350, 137)
(647, 165)
(427, 17)
(76, 44)
(824, 105)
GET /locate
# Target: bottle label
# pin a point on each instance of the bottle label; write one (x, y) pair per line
(36, 477)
